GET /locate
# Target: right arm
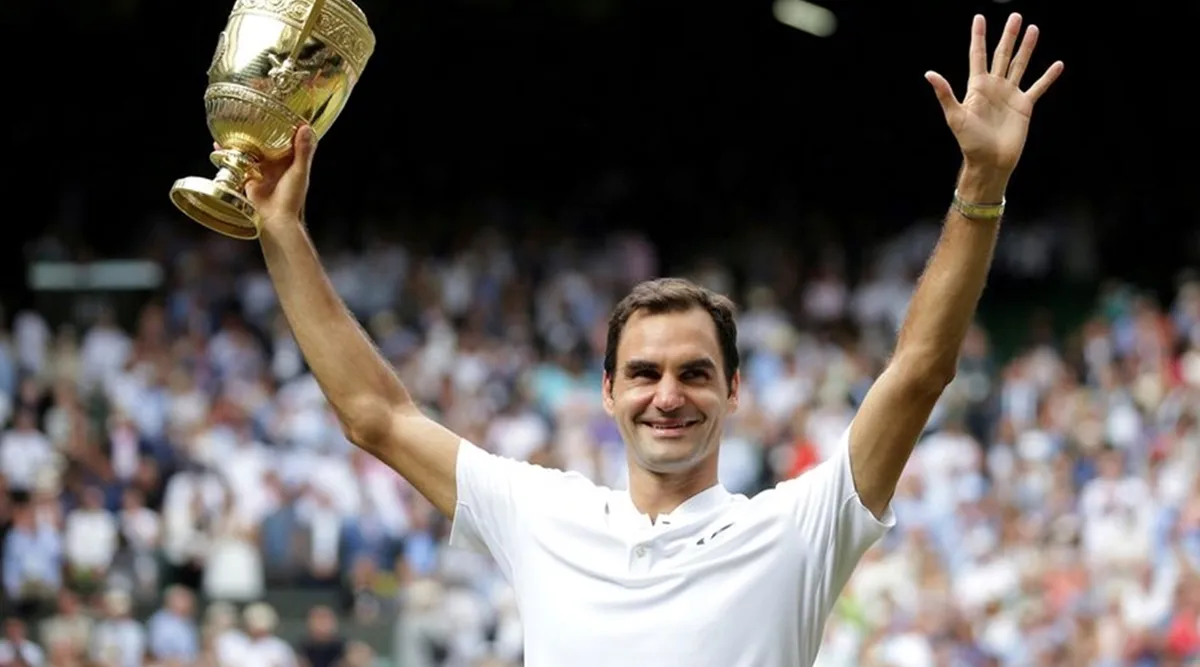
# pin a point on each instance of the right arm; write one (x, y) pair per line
(376, 411)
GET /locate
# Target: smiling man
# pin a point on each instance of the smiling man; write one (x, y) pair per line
(675, 570)
(670, 376)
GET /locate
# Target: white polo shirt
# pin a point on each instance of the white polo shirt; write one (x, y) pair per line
(723, 581)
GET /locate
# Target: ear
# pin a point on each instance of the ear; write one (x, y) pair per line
(735, 386)
(606, 390)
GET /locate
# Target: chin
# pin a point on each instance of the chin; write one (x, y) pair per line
(669, 457)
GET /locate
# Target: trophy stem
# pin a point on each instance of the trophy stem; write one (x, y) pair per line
(236, 168)
(229, 179)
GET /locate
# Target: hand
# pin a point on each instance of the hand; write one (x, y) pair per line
(992, 120)
(279, 194)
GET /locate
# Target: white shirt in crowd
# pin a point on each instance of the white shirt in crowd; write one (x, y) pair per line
(723, 581)
(120, 642)
(269, 651)
(23, 455)
(1118, 519)
(103, 353)
(31, 335)
(31, 653)
(90, 538)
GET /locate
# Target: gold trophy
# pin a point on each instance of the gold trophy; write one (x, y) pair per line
(278, 64)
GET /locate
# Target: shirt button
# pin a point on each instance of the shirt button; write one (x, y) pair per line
(640, 551)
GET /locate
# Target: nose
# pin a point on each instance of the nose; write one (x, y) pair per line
(668, 395)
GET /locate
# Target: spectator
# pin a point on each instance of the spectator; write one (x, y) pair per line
(16, 648)
(90, 540)
(171, 631)
(224, 642)
(263, 648)
(118, 640)
(141, 529)
(69, 627)
(24, 451)
(323, 646)
(32, 558)
(233, 566)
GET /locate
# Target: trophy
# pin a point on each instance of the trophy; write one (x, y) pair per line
(278, 64)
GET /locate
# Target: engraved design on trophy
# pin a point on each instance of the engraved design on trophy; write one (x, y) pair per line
(278, 64)
(285, 78)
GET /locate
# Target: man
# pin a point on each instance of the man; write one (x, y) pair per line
(676, 571)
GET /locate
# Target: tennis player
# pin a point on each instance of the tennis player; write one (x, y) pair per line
(677, 571)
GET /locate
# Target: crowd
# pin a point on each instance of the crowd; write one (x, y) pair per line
(1050, 515)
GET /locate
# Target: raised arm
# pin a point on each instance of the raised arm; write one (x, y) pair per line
(376, 411)
(990, 125)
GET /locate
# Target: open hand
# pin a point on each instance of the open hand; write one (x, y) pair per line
(992, 120)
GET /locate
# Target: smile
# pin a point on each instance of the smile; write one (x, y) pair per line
(671, 429)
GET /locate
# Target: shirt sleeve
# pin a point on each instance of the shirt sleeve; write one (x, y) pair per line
(826, 509)
(498, 498)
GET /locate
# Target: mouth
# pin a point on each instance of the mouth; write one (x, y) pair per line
(670, 428)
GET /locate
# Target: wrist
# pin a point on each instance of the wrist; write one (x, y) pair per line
(277, 223)
(982, 185)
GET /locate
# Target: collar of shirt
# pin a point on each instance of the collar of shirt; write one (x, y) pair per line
(625, 514)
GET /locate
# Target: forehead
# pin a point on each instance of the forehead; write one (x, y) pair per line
(669, 337)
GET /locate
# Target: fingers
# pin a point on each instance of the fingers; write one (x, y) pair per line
(1019, 63)
(257, 191)
(943, 91)
(1004, 50)
(304, 143)
(1004, 63)
(1043, 84)
(978, 46)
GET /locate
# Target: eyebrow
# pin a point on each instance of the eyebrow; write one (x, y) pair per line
(635, 366)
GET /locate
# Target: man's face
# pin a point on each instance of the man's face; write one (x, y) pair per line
(668, 393)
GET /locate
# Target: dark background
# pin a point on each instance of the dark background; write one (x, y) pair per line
(713, 116)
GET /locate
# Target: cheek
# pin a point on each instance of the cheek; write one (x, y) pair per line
(713, 403)
(633, 401)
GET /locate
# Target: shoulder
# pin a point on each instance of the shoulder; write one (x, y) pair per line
(503, 501)
(480, 466)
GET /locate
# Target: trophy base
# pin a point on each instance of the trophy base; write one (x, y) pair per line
(216, 206)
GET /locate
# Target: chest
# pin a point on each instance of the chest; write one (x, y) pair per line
(724, 590)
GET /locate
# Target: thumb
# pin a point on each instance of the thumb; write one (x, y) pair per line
(304, 146)
(941, 88)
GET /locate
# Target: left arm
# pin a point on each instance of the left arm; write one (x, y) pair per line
(990, 125)
(897, 407)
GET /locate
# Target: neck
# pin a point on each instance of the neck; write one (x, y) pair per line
(656, 493)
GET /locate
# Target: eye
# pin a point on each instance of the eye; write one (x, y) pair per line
(644, 374)
(694, 375)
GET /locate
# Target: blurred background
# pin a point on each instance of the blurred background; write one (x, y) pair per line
(176, 491)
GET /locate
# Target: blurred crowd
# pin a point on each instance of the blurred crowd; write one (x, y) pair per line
(1050, 514)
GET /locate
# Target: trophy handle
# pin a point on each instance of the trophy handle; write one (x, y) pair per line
(284, 74)
(310, 24)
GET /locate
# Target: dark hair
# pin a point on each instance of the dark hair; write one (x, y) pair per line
(675, 295)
